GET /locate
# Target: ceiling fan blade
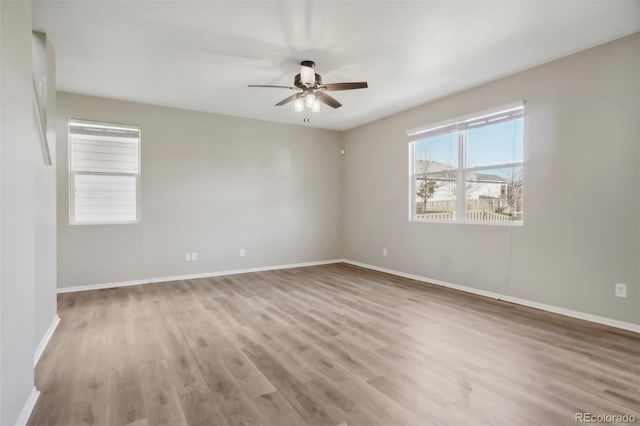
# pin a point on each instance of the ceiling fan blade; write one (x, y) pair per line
(345, 86)
(289, 99)
(326, 99)
(276, 87)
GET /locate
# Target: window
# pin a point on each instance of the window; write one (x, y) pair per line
(104, 173)
(469, 169)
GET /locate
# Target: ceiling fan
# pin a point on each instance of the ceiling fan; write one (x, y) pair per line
(312, 90)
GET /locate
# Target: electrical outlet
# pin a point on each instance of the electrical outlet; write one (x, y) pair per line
(194, 256)
(242, 253)
(385, 251)
(187, 257)
(621, 290)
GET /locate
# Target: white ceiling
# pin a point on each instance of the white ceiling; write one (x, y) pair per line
(202, 55)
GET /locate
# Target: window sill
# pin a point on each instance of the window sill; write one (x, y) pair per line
(133, 222)
(468, 222)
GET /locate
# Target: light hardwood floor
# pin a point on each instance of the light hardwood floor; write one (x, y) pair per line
(327, 345)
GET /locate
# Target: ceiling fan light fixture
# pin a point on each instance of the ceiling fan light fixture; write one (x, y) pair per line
(309, 100)
(311, 91)
(307, 73)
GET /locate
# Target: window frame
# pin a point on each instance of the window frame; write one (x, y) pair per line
(72, 174)
(460, 216)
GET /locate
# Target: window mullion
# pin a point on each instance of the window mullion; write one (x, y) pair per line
(461, 195)
(412, 181)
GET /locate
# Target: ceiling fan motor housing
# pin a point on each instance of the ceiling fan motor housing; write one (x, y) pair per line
(297, 81)
(307, 74)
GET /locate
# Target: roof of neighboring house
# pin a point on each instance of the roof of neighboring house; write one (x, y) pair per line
(427, 166)
(488, 178)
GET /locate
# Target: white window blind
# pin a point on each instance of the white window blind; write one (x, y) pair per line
(104, 172)
(505, 113)
(105, 198)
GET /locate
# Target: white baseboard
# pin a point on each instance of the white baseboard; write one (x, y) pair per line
(45, 339)
(542, 306)
(193, 276)
(25, 413)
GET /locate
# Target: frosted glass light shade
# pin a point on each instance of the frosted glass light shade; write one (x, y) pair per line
(298, 105)
(307, 75)
(309, 100)
(316, 106)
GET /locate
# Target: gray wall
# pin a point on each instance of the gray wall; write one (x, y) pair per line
(582, 211)
(45, 212)
(211, 184)
(24, 184)
(18, 156)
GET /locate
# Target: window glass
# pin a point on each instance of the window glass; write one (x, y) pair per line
(437, 153)
(436, 196)
(498, 143)
(494, 195)
(489, 186)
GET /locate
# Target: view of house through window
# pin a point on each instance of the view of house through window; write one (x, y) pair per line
(469, 170)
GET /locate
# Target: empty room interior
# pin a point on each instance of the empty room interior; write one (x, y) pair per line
(319, 213)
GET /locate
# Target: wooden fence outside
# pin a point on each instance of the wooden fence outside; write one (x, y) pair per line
(472, 215)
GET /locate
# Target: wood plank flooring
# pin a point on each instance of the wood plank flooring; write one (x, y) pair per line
(328, 345)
